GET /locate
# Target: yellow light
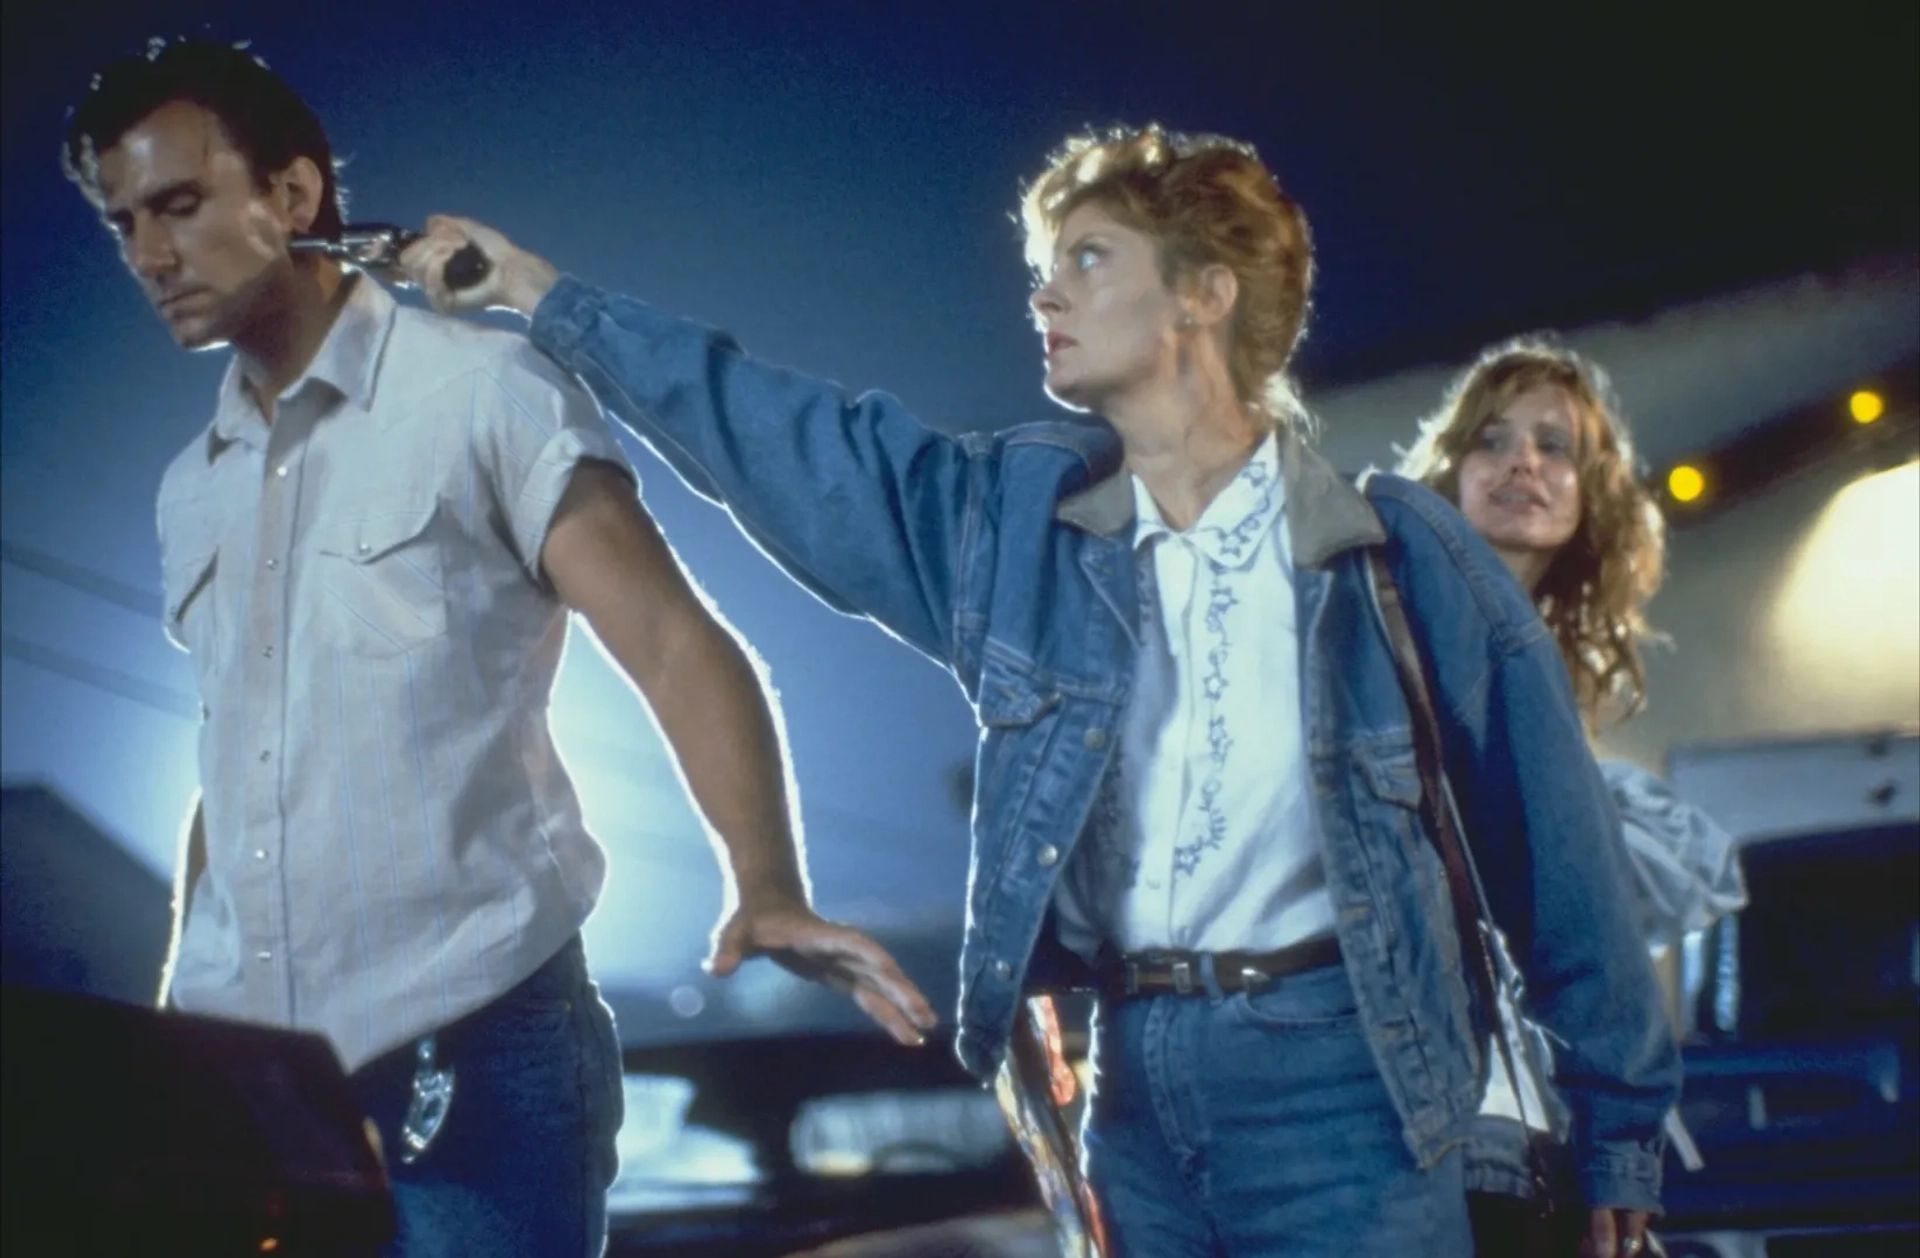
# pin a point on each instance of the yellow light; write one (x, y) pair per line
(1685, 482)
(1866, 406)
(1841, 637)
(269, 1243)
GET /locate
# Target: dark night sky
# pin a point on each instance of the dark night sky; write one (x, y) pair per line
(833, 182)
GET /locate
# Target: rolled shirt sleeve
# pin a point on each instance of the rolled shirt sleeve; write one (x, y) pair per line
(534, 426)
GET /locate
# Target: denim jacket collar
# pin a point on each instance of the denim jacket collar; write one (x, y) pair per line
(1325, 513)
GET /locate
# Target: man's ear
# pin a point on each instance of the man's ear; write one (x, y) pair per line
(300, 189)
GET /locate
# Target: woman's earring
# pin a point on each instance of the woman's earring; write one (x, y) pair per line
(1187, 323)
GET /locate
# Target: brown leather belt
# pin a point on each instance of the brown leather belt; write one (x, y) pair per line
(1160, 973)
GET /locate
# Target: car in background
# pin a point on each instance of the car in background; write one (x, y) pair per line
(766, 1117)
(774, 1145)
(1801, 1013)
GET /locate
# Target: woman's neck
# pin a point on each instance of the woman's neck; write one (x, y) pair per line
(1186, 448)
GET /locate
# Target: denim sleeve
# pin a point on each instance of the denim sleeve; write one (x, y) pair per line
(1589, 980)
(1546, 839)
(853, 497)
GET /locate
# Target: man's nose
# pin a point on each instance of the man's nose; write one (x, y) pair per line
(149, 251)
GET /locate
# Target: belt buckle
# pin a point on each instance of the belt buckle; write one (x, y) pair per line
(1252, 979)
(1183, 977)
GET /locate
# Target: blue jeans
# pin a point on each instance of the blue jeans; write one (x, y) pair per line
(522, 1165)
(1246, 1126)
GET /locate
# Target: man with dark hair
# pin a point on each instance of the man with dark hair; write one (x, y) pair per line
(264, 120)
(371, 552)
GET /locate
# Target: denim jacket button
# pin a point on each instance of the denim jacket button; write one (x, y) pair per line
(1048, 856)
(1003, 968)
(1096, 739)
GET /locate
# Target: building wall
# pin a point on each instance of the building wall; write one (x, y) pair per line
(1797, 613)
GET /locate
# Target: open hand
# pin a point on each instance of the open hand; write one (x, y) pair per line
(802, 942)
(515, 279)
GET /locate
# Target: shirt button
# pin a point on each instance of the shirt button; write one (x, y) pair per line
(1095, 739)
(1153, 884)
(1003, 969)
(267, 651)
(265, 756)
(259, 853)
(281, 471)
(263, 955)
(1049, 856)
(365, 547)
(273, 563)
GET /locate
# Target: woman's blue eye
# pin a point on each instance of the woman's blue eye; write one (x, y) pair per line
(1086, 257)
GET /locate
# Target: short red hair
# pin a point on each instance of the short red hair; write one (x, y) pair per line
(1207, 200)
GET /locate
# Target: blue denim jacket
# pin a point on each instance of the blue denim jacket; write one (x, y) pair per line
(1007, 559)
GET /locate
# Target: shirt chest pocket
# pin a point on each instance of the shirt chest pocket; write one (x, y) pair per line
(381, 578)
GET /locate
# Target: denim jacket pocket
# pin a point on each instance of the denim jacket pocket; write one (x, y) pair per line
(382, 578)
(1393, 775)
(1417, 918)
(1010, 697)
(1011, 703)
(1017, 707)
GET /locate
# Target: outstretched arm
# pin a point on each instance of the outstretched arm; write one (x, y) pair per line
(607, 561)
(851, 496)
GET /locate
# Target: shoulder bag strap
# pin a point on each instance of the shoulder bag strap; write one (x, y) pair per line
(1443, 826)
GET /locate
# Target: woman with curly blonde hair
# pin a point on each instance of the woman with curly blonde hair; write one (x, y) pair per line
(1531, 445)
(1191, 795)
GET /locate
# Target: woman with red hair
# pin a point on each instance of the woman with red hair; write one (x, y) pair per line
(1196, 791)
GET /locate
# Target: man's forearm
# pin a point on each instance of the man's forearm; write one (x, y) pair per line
(192, 863)
(718, 718)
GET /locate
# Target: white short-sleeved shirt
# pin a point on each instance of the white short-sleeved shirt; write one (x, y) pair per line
(391, 838)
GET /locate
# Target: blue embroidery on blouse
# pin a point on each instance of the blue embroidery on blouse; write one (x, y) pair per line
(1116, 869)
(1213, 818)
(1237, 542)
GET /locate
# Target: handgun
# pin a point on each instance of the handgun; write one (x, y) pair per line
(377, 247)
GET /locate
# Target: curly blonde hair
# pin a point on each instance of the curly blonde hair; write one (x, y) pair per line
(1594, 593)
(1206, 200)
